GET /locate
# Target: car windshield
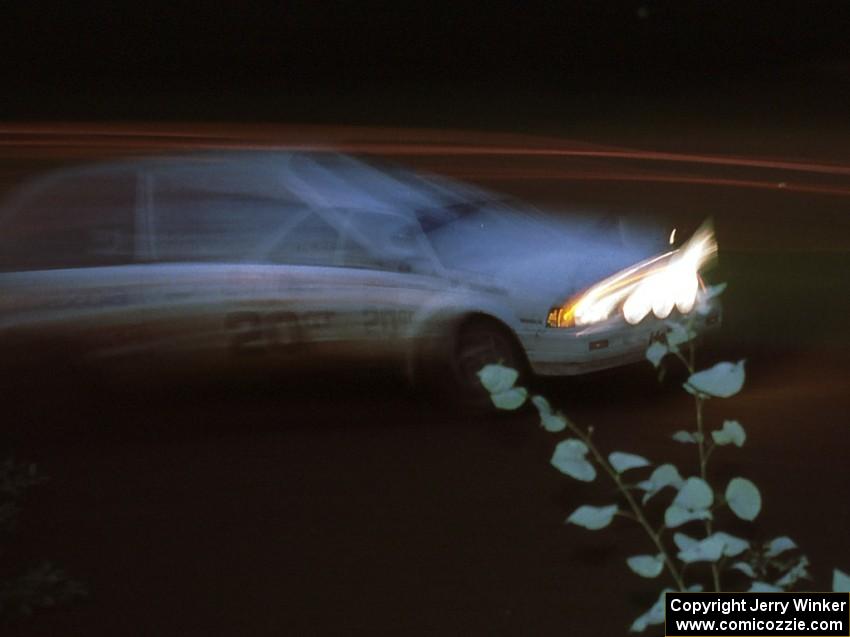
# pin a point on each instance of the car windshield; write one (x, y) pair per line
(436, 201)
(478, 235)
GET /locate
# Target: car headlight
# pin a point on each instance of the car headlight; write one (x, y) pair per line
(668, 281)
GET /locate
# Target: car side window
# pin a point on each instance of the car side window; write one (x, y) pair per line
(74, 221)
(379, 241)
(312, 241)
(197, 224)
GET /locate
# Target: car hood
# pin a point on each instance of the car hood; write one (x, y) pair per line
(545, 261)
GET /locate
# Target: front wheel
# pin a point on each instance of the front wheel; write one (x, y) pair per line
(478, 343)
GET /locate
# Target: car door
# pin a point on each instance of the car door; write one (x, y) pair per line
(368, 279)
(239, 272)
(215, 302)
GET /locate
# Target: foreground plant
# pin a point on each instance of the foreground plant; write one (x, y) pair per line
(40, 586)
(696, 503)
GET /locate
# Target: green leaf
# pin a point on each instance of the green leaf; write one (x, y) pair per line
(497, 378)
(665, 475)
(541, 404)
(593, 518)
(708, 550)
(678, 335)
(714, 290)
(840, 581)
(677, 516)
(684, 542)
(745, 568)
(798, 571)
(779, 545)
(764, 587)
(691, 503)
(572, 448)
(685, 437)
(655, 352)
(731, 433)
(510, 399)
(732, 546)
(625, 461)
(709, 293)
(695, 494)
(646, 565)
(743, 498)
(577, 468)
(722, 381)
(549, 420)
(569, 458)
(653, 616)
(553, 422)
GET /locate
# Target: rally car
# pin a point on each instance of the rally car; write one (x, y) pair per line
(291, 258)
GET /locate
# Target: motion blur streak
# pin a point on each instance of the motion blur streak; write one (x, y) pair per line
(428, 143)
(657, 178)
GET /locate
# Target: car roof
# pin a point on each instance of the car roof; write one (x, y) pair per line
(322, 179)
(388, 201)
(318, 178)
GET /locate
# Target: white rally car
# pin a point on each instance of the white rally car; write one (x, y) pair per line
(289, 258)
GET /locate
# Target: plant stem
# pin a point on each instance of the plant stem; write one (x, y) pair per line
(691, 351)
(636, 508)
(690, 364)
(703, 471)
(701, 438)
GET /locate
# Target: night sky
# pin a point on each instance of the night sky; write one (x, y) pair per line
(82, 50)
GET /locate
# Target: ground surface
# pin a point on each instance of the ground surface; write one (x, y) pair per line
(340, 504)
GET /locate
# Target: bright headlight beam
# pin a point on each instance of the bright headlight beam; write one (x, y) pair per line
(668, 281)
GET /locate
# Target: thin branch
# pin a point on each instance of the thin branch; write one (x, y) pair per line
(637, 511)
(703, 471)
(627, 515)
(685, 362)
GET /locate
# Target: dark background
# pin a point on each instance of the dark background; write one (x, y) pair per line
(327, 60)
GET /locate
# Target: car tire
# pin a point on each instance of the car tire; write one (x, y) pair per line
(477, 342)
